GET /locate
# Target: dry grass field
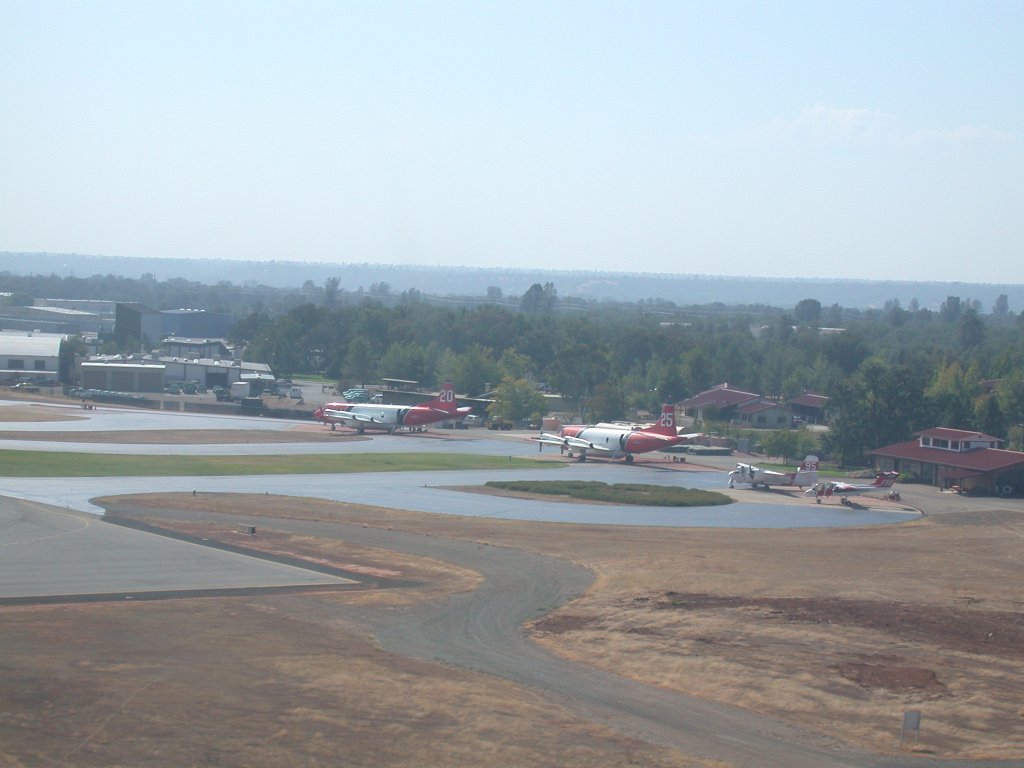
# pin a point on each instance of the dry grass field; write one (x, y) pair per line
(839, 630)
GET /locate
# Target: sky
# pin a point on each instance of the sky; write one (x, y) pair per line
(857, 139)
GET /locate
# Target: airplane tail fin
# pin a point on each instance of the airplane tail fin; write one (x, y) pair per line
(667, 423)
(807, 474)
(445, 400)
(885, 479)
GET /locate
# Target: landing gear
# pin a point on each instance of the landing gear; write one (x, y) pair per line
(333, 427)
(629, 458)
(581, 458)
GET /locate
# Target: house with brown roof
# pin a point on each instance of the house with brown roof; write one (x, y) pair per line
(764, 414)
(956, 458)
(809, 407)
(719, 402)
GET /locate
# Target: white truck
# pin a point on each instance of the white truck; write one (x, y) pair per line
(240, 389)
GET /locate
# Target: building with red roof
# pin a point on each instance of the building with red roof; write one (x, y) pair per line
(956, 458)
(720, 400)
(764, 414)
(809, 407)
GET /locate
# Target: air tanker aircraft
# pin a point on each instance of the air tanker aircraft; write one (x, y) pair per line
(362, 416)
(753, 476)
(613, 442)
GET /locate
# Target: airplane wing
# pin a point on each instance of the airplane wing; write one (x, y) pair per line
(575, 442)
(569, 442)
(838, 487)
(354, 418)
(550, 439)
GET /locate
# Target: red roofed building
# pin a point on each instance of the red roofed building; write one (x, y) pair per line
(764, 414)
(722, 400)
(810, 407)
(959, 458)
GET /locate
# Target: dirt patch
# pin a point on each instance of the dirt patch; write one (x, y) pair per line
(998, 633)
(30, 413)
(885, 672)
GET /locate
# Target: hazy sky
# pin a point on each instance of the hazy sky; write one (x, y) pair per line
(851, 139)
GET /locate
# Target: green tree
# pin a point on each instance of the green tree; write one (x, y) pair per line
(881, 404)
(71, 348)
(331, 291)
(608, 403)
(516, 399)
(989, 417)
(970, 330)
(781, 442)
(405, 360)
(539, 299)
(951, 397)
(577, 371)
(513, 365)
(807, 311)
(359, 360)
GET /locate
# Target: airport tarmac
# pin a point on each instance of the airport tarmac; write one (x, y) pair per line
(416, 491)
(48, 552)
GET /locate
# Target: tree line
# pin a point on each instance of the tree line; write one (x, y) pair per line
(888, 372)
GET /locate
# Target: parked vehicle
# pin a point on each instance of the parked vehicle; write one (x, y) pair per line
(240, 390)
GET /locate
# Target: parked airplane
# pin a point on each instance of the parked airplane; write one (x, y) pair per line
(362, 416)
(806, 474)
(615, 441)
(844, 490)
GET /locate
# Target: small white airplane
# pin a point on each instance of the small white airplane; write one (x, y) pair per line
(843, 490)
(363, 416)
(615, 441)
(806, 475)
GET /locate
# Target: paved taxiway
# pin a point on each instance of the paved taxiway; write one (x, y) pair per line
(48, 552)
(416, 491)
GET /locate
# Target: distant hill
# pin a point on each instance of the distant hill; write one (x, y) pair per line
(681, 289)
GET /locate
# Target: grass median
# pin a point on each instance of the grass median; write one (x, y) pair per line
(618, 493)
(68, 464)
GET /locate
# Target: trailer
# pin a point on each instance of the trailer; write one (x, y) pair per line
(240, 390)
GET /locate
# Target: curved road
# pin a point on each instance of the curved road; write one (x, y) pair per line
(482, 631)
